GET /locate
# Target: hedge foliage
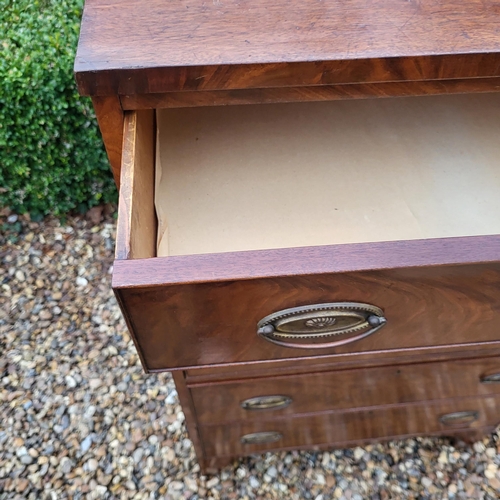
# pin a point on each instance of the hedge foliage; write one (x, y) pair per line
(51, 155)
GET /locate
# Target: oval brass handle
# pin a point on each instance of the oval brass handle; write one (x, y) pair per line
(490, 379)
(459, 418)
(310, 327)
(274, 402)
(261, 437)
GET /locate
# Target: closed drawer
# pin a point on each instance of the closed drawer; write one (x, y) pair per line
(268, 398)
(340, 428)
(259, 216)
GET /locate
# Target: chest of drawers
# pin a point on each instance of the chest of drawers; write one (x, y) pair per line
(316, 265)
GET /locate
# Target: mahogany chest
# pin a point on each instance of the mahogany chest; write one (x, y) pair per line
(309, 214)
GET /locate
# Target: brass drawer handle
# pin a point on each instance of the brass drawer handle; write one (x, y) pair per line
(273, 402)
(459, 418)
(491, 379)
(311, 327)
(261, 437)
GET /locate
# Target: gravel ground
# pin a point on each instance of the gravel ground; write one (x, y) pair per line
(80, 420)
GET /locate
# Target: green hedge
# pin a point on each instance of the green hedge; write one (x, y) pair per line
(51, 156)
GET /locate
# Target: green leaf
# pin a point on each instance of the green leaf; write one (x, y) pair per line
(51, 155)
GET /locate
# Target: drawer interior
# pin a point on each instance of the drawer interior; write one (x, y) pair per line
(434, 292)
(290, 175)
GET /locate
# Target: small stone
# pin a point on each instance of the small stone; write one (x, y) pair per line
(105, 480)
(21, 451)
(254, 483)
(137, 455)
(18, 442)
(86, 444)
(191, 484)
(45, 315)
(95, 383)
(93, 354)
(137, 436)
(443, 458)
(130, 485)
(66, 465)
(70, 381)
(122, 386)
(81, 281)
(26, 460)
(101, 490)
(211, 483)
(494, 482)
(479, 447)
(33, 452)
(358, 453)
(92, 465)
(172, 398)
(21, 484)
(490, 474)
(272, 472)
(320, 479)
(426, 482)
(19, 275)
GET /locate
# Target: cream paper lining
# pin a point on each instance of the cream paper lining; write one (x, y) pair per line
(289, 175)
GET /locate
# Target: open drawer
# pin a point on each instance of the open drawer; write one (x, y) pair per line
(266, 232)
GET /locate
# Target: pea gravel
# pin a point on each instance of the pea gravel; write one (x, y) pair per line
(80, 420)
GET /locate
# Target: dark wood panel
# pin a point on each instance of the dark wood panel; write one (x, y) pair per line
(214, 323)
(311, 93)
(131, 47)
(254, 264)
(212, 465)
(137, 224)
(315, 364)
(335, 429)
(330, 391)
(189, 412)
(110, 117)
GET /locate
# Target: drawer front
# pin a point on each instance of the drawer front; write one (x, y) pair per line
(188, 325)
(445, 418)
(268, 398)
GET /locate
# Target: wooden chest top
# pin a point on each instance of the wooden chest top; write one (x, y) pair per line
(136, 47)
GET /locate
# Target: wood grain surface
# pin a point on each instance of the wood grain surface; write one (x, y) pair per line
(136, 229)
(130, 47)
(230, 372)
(254, 264)
(336, 429)
(215, 322)
(339, 390)
(213, 464)
(189, 413)
(311, 93)
(110, 118)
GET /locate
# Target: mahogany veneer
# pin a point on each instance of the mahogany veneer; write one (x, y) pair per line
(389, 338)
